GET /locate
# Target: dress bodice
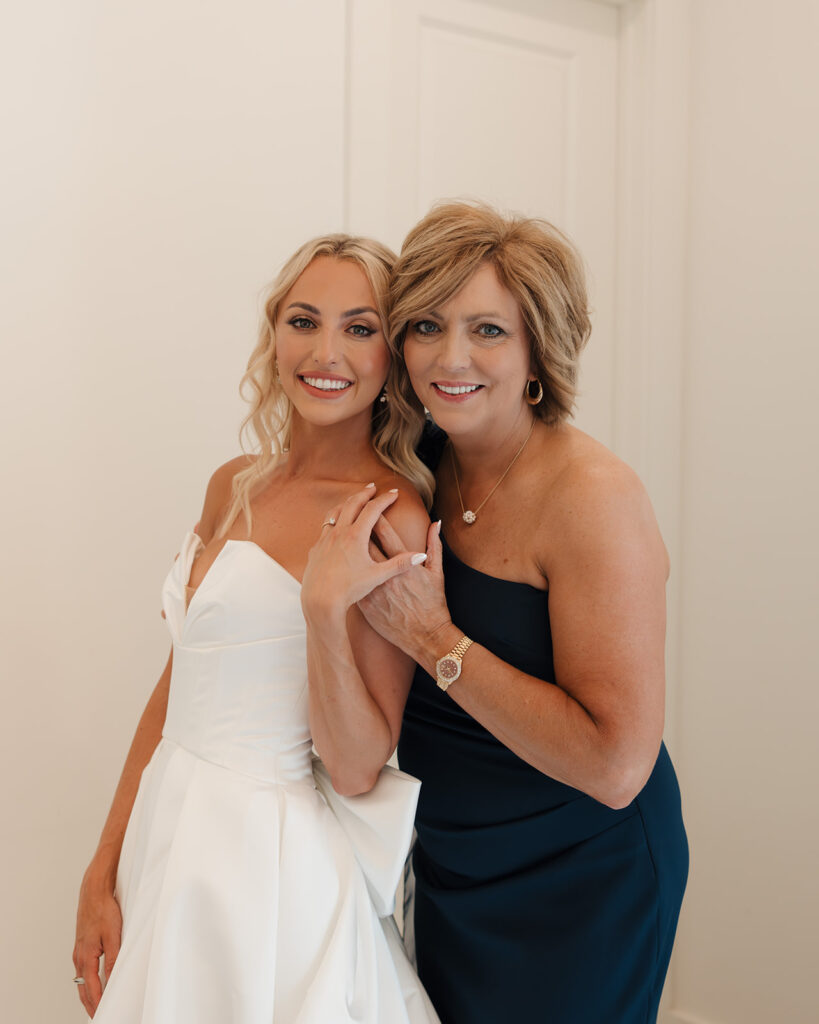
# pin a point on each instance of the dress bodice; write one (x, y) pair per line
(449, 749)
(250, 890)
(243, 629)
(473, 782)
(526, 882)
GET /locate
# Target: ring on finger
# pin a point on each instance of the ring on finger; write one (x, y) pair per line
(79, 981)
(329, 522)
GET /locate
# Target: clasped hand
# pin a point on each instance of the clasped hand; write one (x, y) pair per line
(362, 560)
(408, 610)
(344, 565)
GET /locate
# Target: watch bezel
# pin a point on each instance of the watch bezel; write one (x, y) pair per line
(444, 681)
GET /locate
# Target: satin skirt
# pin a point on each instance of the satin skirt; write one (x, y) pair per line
(249, 902)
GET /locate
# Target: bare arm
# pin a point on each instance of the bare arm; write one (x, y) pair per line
(358, 681)
(600, 727)
(98, 918)
(99, 922)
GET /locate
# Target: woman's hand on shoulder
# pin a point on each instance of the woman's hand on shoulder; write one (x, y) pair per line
(408, 517)
(344, 565)
(410, 610)
(607, 567)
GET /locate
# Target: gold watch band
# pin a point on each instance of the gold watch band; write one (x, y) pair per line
(460, 649)
(448, 668)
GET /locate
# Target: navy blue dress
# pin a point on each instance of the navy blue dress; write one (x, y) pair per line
(534, 902)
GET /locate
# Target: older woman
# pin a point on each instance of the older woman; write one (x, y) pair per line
(551, 856)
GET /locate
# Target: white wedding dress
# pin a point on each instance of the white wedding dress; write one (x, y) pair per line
(251, 892)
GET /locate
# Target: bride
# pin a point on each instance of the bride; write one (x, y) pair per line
(238, 879)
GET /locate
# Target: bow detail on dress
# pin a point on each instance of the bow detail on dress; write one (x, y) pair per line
(379, 826)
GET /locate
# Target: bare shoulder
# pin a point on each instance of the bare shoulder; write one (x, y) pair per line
(407, 515)
(218, 494)
(596, 501)
(590, 475)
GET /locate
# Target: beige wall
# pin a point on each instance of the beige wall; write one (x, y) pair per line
(159, 162)
(749, 694)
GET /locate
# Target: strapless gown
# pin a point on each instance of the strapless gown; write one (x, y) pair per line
(549, 906)
(251, 892)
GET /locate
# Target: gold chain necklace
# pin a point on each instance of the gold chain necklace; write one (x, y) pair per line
(468, 515)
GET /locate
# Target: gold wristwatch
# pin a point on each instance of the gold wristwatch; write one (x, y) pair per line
(448, 668)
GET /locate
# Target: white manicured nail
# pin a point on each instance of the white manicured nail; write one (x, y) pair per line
(417, 559)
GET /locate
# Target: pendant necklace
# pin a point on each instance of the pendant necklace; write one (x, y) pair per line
(468, 515)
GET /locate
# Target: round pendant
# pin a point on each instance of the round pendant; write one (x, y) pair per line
(469, 517)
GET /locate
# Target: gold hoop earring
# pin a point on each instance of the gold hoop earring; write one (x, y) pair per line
(537, 397)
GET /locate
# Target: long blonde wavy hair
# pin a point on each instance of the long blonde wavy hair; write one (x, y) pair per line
(267, 426)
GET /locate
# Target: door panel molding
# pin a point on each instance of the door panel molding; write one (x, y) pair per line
(382, 181)
(648, 378)
(652, 238)
(651, 284)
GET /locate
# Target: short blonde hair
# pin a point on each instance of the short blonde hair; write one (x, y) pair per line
(267, 426)
(535, 261)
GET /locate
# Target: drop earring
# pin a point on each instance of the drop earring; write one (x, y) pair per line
(533, 399)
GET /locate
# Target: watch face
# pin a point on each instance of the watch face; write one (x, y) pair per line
(448, 668)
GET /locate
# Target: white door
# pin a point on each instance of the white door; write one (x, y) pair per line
(571, 110)
(513, 102)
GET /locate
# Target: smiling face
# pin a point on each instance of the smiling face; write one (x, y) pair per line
(469, 359)
(330, 347)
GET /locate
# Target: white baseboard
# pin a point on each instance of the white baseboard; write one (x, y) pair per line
(681, 1017)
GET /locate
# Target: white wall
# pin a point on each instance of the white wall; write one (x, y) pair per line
(749, 693)
(159, 161)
